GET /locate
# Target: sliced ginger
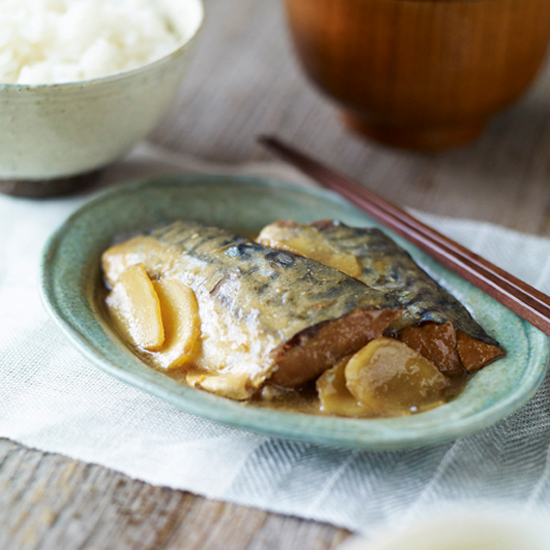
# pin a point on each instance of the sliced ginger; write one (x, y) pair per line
(389, 379)
(181, 321)
(385, 378)
(334, 395)
(232, 386)
(114, 260)
(308, 242)
(135, 309)
(160, 317)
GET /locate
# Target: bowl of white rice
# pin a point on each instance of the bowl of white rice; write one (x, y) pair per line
(82, 81)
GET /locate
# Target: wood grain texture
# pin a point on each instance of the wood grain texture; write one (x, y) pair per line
(244, 81)
(49, 502)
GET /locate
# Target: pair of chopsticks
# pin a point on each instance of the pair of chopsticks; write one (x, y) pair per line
(519, 297)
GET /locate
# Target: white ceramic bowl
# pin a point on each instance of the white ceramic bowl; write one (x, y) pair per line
(57, 131)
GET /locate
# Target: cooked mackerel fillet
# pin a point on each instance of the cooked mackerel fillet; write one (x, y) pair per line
(265, 313)
(434, 323)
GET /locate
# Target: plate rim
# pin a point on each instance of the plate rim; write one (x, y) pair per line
(256, 419)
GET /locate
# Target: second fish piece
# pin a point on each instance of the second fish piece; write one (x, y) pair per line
(434, 322)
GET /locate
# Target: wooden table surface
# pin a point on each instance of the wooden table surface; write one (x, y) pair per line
(244, 81)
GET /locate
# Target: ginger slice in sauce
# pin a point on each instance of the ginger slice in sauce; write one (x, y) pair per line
(181, 322)
(114, 262)
(334, 396)
(308, 242)
(134, 308)
(234, 386)
(390, 379)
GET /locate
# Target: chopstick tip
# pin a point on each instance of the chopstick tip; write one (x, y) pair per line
(267, 140)
(263, 139)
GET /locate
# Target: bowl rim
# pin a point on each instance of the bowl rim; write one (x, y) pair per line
(112, 77)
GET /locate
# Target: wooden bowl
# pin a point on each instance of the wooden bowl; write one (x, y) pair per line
(420, 74)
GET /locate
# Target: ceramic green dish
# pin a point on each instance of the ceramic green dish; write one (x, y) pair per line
(71, 278)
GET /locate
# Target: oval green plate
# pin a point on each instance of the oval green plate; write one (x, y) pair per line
(70, 280)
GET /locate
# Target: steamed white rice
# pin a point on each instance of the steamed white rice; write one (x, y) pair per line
(46, 41)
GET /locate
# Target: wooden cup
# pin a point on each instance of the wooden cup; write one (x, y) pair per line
(420, 74)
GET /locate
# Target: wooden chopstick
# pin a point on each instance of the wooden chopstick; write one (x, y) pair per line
(521, 298)
(347, 186)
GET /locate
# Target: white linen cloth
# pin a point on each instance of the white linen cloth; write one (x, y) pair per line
(53, 399)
